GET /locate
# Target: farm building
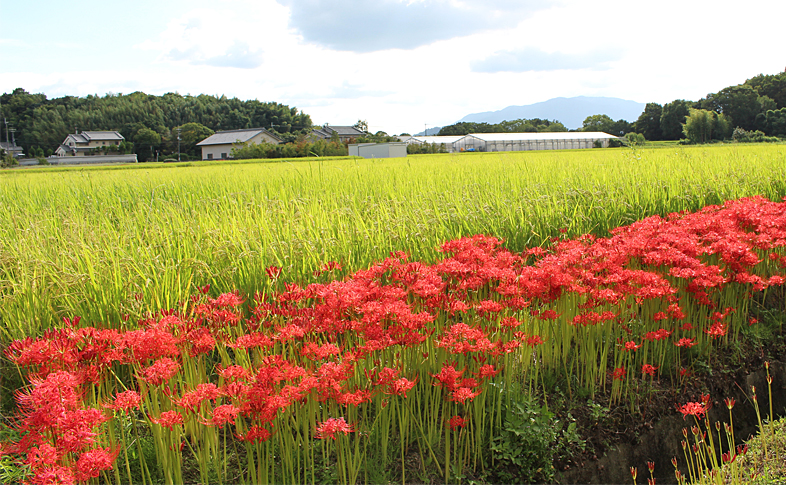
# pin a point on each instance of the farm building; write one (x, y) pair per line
(448, 141)
(507, 142)
(378, 150)
(220, 144)
(88, 143)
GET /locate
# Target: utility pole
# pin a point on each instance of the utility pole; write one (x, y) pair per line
(178, 144)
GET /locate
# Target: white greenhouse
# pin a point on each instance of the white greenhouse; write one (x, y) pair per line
(507, 142)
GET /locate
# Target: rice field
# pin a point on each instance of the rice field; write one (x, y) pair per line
(106, 244)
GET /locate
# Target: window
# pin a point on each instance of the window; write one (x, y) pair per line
(210, 156)
(223, 156)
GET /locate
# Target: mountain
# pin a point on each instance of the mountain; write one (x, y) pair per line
(571, 112)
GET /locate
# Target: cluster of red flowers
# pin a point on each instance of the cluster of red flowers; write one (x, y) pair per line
(464, 314)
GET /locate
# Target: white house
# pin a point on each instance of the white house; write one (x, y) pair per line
(89, 142)
(219, 145)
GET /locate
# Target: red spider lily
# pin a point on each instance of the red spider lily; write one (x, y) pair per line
(329, 428)
(354, 398)
(729, 402)
(226, 413)
(273, 272)
(228, 300)
(651, 466)
(631, 345)
(448, 377)
(717, 329)
(400, 387)
(487, 371)
(619, 373)
(660, 334)
(685, 342)
(160, 371)
(125, 401)
(456, 422)
(464, 394)
(686, 327)
(255, 434)
(648, 369)
(92, 462)
(192, 400)
(694, 409)
(313, 351)
(168, 419)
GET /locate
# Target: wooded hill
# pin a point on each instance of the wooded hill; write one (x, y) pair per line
(148, 121)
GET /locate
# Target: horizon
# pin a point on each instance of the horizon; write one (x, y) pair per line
(399, 65)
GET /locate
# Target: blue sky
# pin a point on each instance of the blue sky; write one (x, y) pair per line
(400, 64)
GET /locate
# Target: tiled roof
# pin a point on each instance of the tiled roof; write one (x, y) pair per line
(234, 136)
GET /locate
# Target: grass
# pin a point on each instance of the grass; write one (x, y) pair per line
(105, 242)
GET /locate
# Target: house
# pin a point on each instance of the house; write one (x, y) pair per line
(378, 150)
(219, 145)
(346, 134)
(12, 149)
(89, 142)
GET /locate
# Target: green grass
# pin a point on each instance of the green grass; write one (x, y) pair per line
(105, 242)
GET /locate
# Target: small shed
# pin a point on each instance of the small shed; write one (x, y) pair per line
(378, 150)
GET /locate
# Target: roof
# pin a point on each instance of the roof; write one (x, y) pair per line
(447, 139)
(327, 131)
(562, 135)
(101, 135)
(229, 137)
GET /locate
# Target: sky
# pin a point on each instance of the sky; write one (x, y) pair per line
(401, 65)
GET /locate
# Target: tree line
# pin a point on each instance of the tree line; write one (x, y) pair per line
(752, 111)
(149, 122)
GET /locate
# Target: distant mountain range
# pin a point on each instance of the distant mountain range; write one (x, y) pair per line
(571, 112)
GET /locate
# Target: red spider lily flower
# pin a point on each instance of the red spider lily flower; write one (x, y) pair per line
(448, 377)
(233, 373)
(192, 400)
(717, 329)
(487, 371)
(686, 327)
(456, 422)
(660, 334)
(273, 272)
(742, 449)
(651, 466)
(226, 413)
(329, 428)
(160, 371)
(693, 409)
(659, 316)
(354, 398)
(313, 351)
(125, 401)
(634, 472)
(509, 322)
(648, 369)
(463, 394)
(752, 321)
(729, 457)
(631, 345)
(534, 340)
(168, 419)
(92, 462)
(400, 387)
(685, 342)
(228, 300)
(255, 434)
(730, 402)
(619, 373)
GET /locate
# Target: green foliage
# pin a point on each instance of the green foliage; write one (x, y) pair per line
(302, 148)
(525, 448)
(673, 117)
(535, 125)
(648, 123)
(190, 135)
(698, 126)
(378, 137)
(742, 136)
(773, 86)
(46, 122)
(415, 148)
(772, 122)
(7, 160)
(740, 103)
(636, 139)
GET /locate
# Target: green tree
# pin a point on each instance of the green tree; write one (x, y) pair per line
(146, 141)
(673, 117)
(702, 125)
(190, 135)
(602, 123)
(740, 103)
(772, 122)
(361, 125)
(773, 86)
(648, 123)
